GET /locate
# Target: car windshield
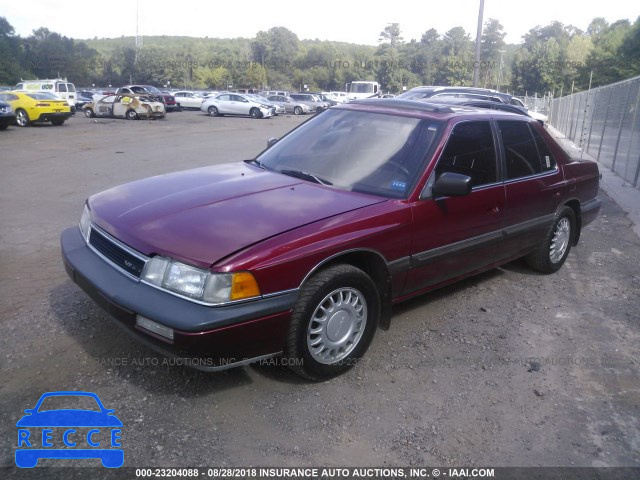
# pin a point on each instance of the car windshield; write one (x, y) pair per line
(365, 152)
(67, 402)
(361, 88)
(151, 89)
(416, 95)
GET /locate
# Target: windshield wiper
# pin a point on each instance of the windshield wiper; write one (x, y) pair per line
(306, 176)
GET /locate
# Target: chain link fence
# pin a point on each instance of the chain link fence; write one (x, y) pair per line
(605, 123)
(538, 104)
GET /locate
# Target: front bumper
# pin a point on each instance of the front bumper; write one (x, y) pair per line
(7, 119)
(204, 337)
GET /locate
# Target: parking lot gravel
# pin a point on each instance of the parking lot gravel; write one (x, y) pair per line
(510, 368)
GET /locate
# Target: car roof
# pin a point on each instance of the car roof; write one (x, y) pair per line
(505, 97)
(424, 109)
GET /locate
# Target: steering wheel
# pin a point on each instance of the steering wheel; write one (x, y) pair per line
(402, 168)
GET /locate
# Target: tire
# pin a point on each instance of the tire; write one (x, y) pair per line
(57, 123)
(349, 301)
(131, 115)
(212, 111)
(297, 111)
(551, 254)
(3, 127)
(22, 119)
(255, 113)
(89, 113)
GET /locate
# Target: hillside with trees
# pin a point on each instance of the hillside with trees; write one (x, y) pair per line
(550, 58)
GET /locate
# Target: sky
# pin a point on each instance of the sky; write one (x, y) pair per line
(337, 20)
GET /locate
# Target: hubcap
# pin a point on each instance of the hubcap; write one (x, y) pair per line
(22, 119)
(337, 325)
(560, 240)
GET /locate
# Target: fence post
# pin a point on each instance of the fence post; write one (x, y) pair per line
(624, 113)
(574, 126)
(584, 118)
(604, 125)
(569, 124)
(593, 116)
(633, 129)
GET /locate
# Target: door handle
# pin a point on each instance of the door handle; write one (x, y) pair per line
(495, 209)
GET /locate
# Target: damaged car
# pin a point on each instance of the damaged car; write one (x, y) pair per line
(303, 250)
(131, 107)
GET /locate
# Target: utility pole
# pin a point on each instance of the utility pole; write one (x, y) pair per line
(476, 64)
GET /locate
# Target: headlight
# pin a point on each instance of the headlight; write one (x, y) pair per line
(199, 284)
(85, 223)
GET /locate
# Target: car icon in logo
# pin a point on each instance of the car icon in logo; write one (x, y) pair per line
(53, 430)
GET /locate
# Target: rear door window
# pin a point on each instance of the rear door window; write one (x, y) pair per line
(520, 148)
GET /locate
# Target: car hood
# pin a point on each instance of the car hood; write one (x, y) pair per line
(69, 418)
(201, 216)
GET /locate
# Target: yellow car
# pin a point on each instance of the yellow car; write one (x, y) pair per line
(31, 107)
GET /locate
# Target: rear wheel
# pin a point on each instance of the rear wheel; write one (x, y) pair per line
(22, 119)
(255, 113)
(57, 123)
(3, 127)
(333, 322)
(297, 111)
(132, 115)
(551, 254)
(213, 111)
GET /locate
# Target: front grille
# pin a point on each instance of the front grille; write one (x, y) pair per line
(116, 254)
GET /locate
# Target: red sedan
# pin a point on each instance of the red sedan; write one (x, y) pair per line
(303, 250)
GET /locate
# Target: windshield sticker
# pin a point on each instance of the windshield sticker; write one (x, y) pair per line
(398, 185)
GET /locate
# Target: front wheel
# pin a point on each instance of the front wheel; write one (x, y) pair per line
(297, 111)
(552, 252)
(22, 119)
(88, 113)
(255, 113)
(132, 115)
(333, 322)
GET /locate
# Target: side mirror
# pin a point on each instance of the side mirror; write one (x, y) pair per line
(271, 142)
(452, 185)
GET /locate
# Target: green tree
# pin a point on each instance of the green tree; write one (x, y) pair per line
(492, 49)
(11, 55)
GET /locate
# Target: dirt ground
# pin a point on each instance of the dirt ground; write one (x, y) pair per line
(510, 368)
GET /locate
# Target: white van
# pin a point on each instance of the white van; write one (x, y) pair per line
(62, 88)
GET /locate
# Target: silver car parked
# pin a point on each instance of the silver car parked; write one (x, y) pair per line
(290, 106)
(311, 100)
(235, 104)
